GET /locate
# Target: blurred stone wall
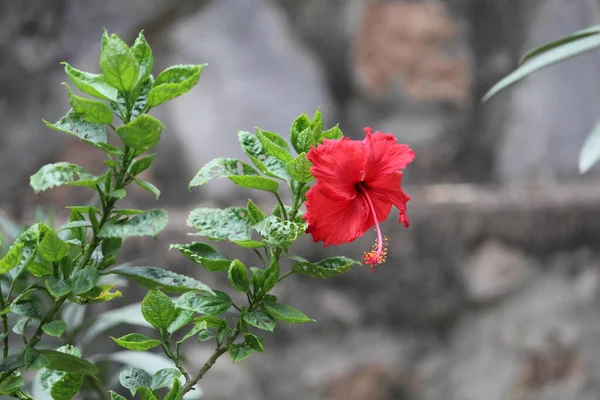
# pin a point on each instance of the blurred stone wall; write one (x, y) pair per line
(493, 291)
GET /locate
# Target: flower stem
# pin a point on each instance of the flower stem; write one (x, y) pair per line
(283, 211)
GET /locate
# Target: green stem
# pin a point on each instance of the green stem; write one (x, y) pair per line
(167, 348)
(262, 260)
(283, 211)
(4, 327)
(98, 388)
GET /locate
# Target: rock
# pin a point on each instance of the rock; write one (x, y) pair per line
(494, 270)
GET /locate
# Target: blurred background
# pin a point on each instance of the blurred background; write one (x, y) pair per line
(492, 293)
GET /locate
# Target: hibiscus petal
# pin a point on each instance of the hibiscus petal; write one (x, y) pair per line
(333, 217)
(382, 205)
(389, 187)
(339, 164)
(385, 155)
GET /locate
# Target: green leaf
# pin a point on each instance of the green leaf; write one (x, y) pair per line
(205, 255)
(316, 126)
(260, 320)
(20, 327)
(302, 141)
(90, 110)
(12, 383)
(222, 224)
(83, 209)
(142, 133)
(134, 379)
(279, 232)
(211, 322)
(299, 169)
(286, 313)
(62, 173)
(12, 258)
(173, 82)
(238, 276)
(30, 240)
(58, 287)
(29, 308)
(147, 394)
(34, 360)
(52, 248)
(60, 361)
(115, 396)
(12, 362)
(164, 378)
(67, 387)
(158, 309)
(136, 341)
(590, 151)
(546, 59)
(119, 66)
(205, 304)
(249, 244)
(92, 84)
(111, 246)
(257, 278)
(300, 124)
(255, 182)
(143, 53)
(79, 232)
(55, 328)
(157, 278)
(88, 132)
(254, 342)
(84, 280)
(140, 165)
(324, 269)
(39, 270)
(148, 187)
(256, 214)
(239, 352)
(274, 145)
(221, 168)
(334, 133)
(118, 194)
(197, 328)
(559, 42)
(175, 392)
(183, 318)
(271, 276)
(265, 162)
(149, 223)
(203, 336)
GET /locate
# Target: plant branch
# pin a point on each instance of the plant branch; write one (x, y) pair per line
(283, 211)
(4, 327)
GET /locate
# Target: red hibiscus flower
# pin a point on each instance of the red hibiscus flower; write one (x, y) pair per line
(358, 181)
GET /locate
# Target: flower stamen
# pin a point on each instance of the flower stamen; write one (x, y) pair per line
(378, 253)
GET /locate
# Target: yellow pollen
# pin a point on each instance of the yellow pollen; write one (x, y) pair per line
(377, 255)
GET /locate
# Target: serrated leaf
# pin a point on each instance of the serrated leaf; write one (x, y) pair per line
(274, 145)
(134, 379)
(92, 84)
(39, 270)
(164, 378)
(205, 255)
(140, 165)
(316, 126)
(260, 320)
(324, 269)
(301, 123)
(248, 244)
(88, 132)
(84, 280)
(222, 224)
(158, 309)
(12, 383)
(67, 387)
(157, 278)
(62, 173)
(93, 111)
(175, 392)
(52, 248)
(211, 322)
(115, 396)
(119, 66)
(55, 328)
(279, 232)
(303, 141)
(136, 342)
(147, 394)
(195, 330)
(12, 258)
(334, 133)
(270, 276)
(30, 240)
(254, 342)
(299, 169)
(256, 182)
(205, 304)
(546, 59)
(149, 223)
(142, 133)
(256, 214)
(29, 308)
(286, 313)
(143, 53)
(173, 82)
(265, 162)
(111, 246)
(79, 231)
(239, 352)
(148, 187)
(238, 276)
(221, 168)
(58, 287)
